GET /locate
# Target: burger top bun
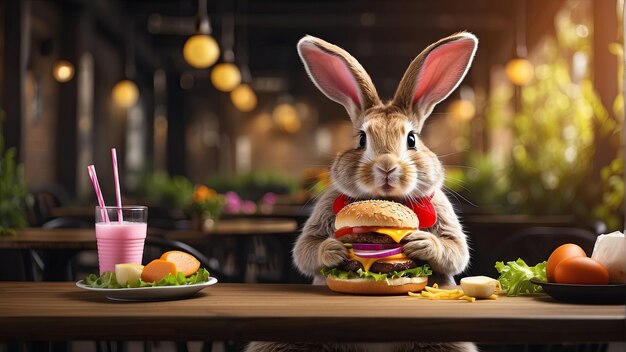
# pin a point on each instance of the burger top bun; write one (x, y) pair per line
(381, 213)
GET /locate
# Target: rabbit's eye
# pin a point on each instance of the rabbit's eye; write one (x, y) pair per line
(410, 141)
(362, 139)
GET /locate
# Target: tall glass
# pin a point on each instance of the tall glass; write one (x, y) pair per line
(120, 242)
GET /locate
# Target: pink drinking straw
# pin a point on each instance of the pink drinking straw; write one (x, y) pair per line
(96, 187)
(118, 194)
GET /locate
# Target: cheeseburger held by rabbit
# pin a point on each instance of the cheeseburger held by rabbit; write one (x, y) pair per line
(373, 231)
(390, 162)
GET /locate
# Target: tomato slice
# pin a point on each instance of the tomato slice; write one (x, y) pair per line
(357, 229)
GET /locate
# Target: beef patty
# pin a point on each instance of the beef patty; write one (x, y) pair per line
(378, 267)
(368, 237)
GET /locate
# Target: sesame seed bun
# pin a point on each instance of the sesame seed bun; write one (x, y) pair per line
(381, 213)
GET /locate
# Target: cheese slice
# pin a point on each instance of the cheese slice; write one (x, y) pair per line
(367, 262)
(396, 234)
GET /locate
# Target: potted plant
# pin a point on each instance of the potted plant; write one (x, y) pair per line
(207, 206)
(13, 191)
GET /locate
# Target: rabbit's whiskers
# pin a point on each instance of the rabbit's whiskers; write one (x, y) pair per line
(457, 195)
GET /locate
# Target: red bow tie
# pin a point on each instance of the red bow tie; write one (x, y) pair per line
(422, 207)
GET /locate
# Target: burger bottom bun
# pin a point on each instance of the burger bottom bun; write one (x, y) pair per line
(372, 287)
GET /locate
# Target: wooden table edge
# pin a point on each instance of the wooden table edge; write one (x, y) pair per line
(290, 329)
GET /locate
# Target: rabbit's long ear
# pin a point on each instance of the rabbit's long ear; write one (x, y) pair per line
(338, 75)
(434, 74)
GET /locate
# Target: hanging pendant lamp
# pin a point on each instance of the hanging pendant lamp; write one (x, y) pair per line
(243, 96)
(201, 49)
(125, 92)
(519, 70)
(225, 76)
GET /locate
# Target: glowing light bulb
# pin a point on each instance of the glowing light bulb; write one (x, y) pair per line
(520, 71)
(225, 76)
(286, 117)
(63, 71)
(201, 51)
(462, 110)
(125, 93)
(243, 98)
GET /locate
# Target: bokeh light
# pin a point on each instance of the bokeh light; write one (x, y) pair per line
(201, 51)
(243, 98)
(225, 76)
(125, 93)
(63, 71)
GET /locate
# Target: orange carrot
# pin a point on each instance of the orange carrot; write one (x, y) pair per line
(157, 270)
(185, 262)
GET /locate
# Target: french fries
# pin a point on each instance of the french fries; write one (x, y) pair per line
(436, 293)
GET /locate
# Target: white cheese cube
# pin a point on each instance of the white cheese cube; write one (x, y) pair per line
(479, 286)
(610, 250)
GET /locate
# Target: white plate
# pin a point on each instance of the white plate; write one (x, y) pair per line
(157, 293)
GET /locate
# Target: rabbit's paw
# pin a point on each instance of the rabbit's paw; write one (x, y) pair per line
(421, 245)
(332, 252)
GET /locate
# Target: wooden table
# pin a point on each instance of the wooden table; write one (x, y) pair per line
(80, 239)
(58, 247)
(50, 239)
(61, 311)
(237, 227)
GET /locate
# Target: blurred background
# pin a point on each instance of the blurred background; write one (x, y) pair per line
(220, 132)
(213, 115)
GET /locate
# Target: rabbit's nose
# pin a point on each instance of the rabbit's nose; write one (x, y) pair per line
(386, 171)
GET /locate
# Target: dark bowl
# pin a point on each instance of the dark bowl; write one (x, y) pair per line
(588, 294)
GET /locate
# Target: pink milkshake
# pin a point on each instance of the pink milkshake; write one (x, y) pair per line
(121, 242)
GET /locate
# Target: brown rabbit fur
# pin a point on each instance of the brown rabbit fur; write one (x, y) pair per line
(388, 162)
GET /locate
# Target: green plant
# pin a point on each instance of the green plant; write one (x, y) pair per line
(172, 191)
(548, 168)
(550, 165)
(13, 191)
(254, 185)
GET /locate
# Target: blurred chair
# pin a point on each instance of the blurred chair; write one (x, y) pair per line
(268, 257)
(156, 245)
(33, 260)
(535, 244)
(66, 223)
(84, 262)
(44, 199)
(269, 260)
(167, 218)
(488, 233)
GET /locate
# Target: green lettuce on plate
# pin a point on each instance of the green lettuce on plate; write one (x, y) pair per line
(423, 270)
(108, 280)
(515, 277)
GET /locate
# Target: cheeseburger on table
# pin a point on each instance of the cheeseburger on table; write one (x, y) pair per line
(373, 231)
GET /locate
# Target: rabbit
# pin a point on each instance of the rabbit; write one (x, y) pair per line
(389, 161)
